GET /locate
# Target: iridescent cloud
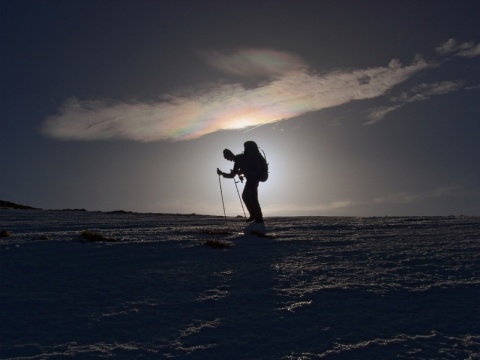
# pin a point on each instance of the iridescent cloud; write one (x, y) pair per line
(291, 90)
(254, 62)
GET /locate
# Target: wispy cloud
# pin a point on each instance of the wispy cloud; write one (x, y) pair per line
(408, 198)
(424, 92)
(466, 49)
(474, 87)
(254, 62)
(310, 209)
(420, 92)
(291, 90)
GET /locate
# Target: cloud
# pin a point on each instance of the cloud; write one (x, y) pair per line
(426, 91)
(420, 92)
(408, 198)
(310, 209)
(448, 47)
(473, 87)
(397, 198)
(254, 62)
(291, 91)
(379, 113)
(466, 49)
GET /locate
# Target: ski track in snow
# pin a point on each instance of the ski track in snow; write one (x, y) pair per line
(324, 288)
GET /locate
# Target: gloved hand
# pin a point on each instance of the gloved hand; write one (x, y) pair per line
(219, 172)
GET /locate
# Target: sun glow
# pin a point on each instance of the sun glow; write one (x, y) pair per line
(241, 122)
(289, 92)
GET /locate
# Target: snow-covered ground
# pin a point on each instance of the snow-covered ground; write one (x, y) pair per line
(333, 288)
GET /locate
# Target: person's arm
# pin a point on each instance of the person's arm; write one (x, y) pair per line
(226, 175)
(231, 175)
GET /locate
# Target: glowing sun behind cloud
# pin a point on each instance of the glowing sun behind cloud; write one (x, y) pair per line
(291, 91)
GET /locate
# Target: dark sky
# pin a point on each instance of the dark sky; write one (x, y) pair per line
(362, 107)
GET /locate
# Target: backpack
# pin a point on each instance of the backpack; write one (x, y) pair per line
(256, 164)
(263, 167)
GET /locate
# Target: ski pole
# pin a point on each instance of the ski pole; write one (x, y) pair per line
(241, 203)
(223, 203)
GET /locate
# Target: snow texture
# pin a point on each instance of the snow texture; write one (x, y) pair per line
(323, 288)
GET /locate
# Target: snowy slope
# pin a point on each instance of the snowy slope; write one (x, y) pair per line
(333, 288)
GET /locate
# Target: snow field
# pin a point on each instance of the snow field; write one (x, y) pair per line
(334, 288)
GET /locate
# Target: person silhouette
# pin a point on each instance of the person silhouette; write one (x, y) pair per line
(245, 164)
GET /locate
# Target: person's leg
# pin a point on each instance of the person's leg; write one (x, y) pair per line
(246, 196)
(250, 197)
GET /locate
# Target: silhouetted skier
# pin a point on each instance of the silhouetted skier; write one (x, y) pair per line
(253, 166)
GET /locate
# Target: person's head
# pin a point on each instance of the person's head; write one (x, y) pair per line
(227, 154)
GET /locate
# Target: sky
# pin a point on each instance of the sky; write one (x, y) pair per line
(363, 108)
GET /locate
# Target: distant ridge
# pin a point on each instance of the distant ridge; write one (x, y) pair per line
(11, 205)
